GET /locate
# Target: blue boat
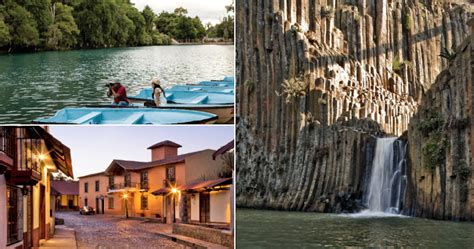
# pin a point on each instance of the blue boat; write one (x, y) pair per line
(219, 83)
(127, 116)
(201, 88)
(187, 97)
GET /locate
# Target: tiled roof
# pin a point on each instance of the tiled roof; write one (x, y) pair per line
(223, 149)
(66, 187)
(134, 165)
(165, 143)
(93, 174)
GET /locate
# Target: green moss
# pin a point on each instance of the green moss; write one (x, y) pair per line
(434, 150)
(407, 21)
(294, 88)
(432, 123)
(250, 86)
(327, 11)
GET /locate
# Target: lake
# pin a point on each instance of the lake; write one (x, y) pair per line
(275, 229)
(35, 85)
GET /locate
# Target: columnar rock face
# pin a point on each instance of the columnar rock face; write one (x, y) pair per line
(318, 80)
(440, 144)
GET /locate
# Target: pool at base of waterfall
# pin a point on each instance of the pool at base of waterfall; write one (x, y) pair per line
(279, 229)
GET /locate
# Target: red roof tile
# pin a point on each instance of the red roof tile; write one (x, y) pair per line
(165, 143)
(197, 186)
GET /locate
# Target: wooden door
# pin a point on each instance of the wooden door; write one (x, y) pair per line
(42, 213)
(204, 207)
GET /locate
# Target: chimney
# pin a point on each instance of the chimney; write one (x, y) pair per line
(164, 150)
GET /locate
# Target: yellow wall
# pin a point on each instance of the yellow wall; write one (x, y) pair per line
(91, 195)
(195, 207)
(200, 166)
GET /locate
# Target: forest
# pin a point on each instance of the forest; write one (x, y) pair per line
(35, 25)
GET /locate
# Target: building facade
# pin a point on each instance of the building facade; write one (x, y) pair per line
(155, 188)
(66, 194)
(28, 156)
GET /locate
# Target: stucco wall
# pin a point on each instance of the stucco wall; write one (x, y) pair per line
(220, 206)
(91, 195)
(195, 207)
(200, 166)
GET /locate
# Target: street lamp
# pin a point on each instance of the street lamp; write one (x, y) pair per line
(174, 191)
(125, 197)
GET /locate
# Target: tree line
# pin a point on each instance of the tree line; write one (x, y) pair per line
(69, 24)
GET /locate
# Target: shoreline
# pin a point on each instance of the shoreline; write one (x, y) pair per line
(6, 51)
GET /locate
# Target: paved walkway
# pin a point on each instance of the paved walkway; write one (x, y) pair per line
(63, 237)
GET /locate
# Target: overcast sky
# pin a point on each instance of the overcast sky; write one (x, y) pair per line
(207, 10)
(94, 147)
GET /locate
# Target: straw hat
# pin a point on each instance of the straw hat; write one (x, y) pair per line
(155, 81)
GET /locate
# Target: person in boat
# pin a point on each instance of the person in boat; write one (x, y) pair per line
(119, 93)
(158, 93)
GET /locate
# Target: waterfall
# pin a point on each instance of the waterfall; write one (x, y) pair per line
(388, 178)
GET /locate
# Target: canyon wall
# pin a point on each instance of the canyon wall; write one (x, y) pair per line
(318, 81)
(440, 140)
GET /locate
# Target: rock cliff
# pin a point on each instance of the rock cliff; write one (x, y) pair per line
(319, 80)
(440, 139)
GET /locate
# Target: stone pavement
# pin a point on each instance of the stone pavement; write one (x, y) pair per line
(64, 237)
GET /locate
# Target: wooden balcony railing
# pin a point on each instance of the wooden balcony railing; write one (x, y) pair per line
(7, 141)
(123, 185)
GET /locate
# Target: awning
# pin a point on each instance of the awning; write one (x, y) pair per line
(161, 191)
(206, 185)
(60, 153)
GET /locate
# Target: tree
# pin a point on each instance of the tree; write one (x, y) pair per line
(180, 11)
(22, 26)
(63, 32)
(149, 16)
(5, 36)
(40, 10)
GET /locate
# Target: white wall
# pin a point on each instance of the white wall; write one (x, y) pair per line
(195, 207)
(220, 206)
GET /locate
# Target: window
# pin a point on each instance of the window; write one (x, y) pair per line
(111, 203)
(127, 180)
(86, 187)
(144, 202)
(13, 226)
(85, 202)
(28, 158)
(144, 180)
(171, 174)
(96, 186)
(111, 182)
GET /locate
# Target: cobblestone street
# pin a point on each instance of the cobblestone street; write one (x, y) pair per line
(103, 231)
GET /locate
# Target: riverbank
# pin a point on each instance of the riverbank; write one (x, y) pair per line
(280, 229)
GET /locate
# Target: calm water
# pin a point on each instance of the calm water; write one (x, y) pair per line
(273, 229)
(38, 84)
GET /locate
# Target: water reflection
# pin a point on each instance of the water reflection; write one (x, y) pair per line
(34, 85)
(271, 229)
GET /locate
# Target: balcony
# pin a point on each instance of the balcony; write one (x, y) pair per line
(7, 148)
(27, 176)
(144, 186)
(122, 187)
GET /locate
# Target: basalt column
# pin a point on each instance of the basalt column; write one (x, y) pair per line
(318, 80)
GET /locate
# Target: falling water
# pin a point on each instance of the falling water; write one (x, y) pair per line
(388, 180)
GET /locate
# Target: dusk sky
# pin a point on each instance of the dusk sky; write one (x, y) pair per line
(94, 147)
(207, 10)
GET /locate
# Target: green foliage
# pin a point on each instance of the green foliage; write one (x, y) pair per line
(225, 29)
(433, 123)
(63, 32)
(22, 26)
(293, 88)
(435, 147)
(398, 64)
(434, 150)
(58, 25)
(327, 12)
(407, 21)
(179, 26)
(448, 54)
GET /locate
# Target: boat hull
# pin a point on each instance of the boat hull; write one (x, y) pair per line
(127, 116)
